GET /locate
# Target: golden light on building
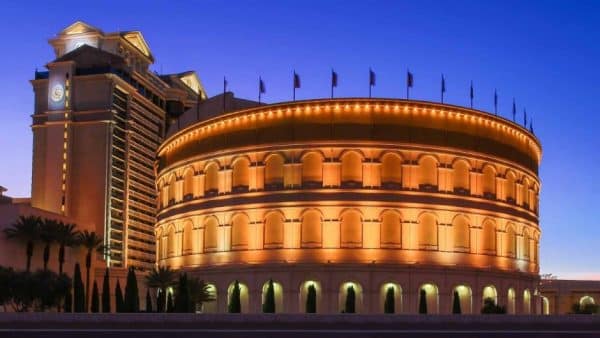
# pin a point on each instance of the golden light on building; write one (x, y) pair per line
(344, 191)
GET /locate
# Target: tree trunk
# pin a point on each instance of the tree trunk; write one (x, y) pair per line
(88, 264)
(46, 256)
(61, 259)
(29, 254)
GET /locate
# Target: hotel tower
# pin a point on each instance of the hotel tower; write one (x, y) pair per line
(100, 115)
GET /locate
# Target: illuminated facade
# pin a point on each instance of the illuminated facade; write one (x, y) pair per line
(373, 193)
(99, 117)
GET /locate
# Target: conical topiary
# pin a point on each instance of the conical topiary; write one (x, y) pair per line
(389, 306)
(106, 292)
(423, 302)
(269, 304)
(132, 297)
(68, 302)
(170, 305)
(311, 299)
(78, 291)
(235, 304)
(95, 304)
(119, 302)
(148, 301)
(160, 301)
(456, 303)
(350, 306)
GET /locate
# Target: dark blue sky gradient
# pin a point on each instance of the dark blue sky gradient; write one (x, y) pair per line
(545, 54)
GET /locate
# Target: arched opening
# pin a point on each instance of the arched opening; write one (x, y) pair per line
(509, 187)
(350, 299)
(172, 189)
(211, 307)
(510, 249)
(311, 233)
(244, 296)
(171, 244)
(351, 171)
(431, 299)
(278, 293)
(158, 244)
(240, 180)
(211, 230)
(488, 237)
(391, 229)
(586, 301)
(489, 182)
(274, 172)
(465, 297)
(428, 232)
(526, 245)
(312, 170)
(211, 179)
(164, 245)
(273, 231)
(188, 184)
(489, 292)
(545, 305)
(188, 237)
(390, 296)
(526, 302)
(310, 297)
(391, 171)
(427, 173)
(525, 193)
(511, 303)
(461, 177)
(240, 232)
(461, 234)
(351, 229)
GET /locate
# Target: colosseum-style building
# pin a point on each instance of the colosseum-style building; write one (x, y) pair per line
(373, 193)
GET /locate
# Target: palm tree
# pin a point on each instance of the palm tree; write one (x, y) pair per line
(25, 229)
(66, 235)
(200, 292)
(161, 278)
(92, 242)
(48, 229)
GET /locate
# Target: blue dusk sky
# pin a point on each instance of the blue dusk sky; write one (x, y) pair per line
(544, 54)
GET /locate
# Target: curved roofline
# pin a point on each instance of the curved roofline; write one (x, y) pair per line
(466, 110)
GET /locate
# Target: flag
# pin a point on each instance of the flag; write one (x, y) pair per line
(296, 80)
(371, 77)
(409, 79)
(334, 79)
(261, 86)
(514, 110)
(524, 117)
(443, 84)
(224, 84)
(531, 126)
(471, 94)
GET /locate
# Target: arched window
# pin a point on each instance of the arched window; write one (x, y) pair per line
(488, 236)
(489, 182)
(158, 244)
(526, 245)
(461, 234)
(211, 233)
(240, 232)
(345, 304)
(351, 229)
(211, 179)
(188, 184)
(273, 230)
(391, 171)
(244, 295)
(511, 241)
(509, 187)
(274, 172)
(586, 301)
(428, 232)
(465, 298)
(525, 193)
(278, 293)
(188, 237)
(241, 175)
(172, 189)
(310, 233)
(431, 294)
(312, 170)
(526, 302)
(171, 244)
(305, 290)
(461, 177)
(391, 229)
(351, 171)
(428, 173)
(386, 291)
